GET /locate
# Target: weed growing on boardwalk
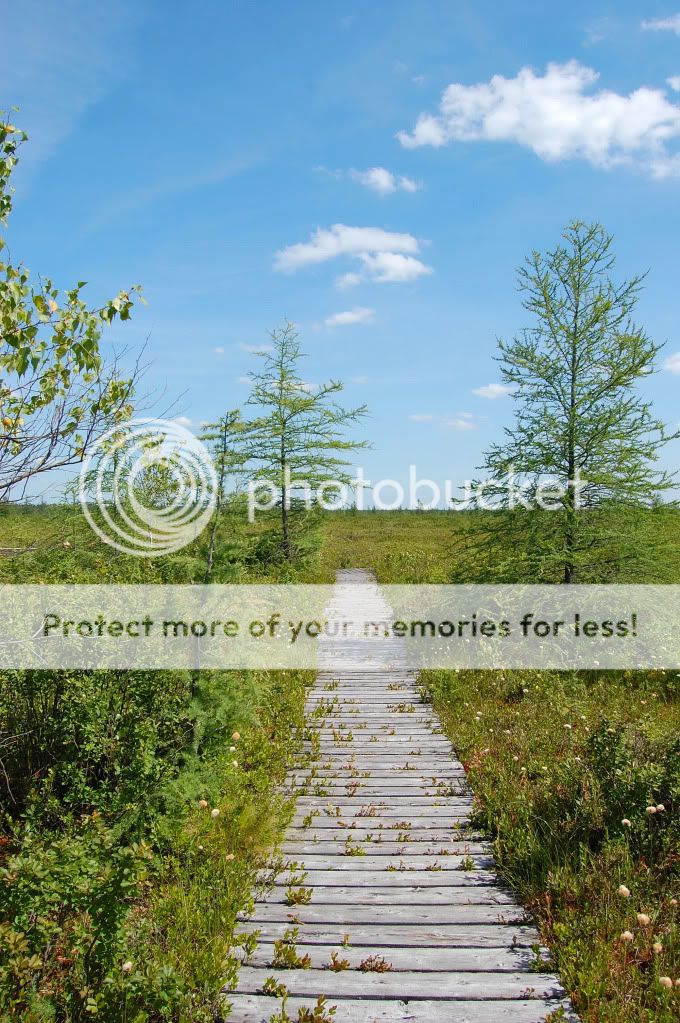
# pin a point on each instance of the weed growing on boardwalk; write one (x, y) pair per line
(374, 964)
(298, 896)
(336, 964)
(286, 954)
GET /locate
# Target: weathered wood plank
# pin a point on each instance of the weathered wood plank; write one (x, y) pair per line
(448, 824)
(259, 1009)
(437, 960)
(358, 740)
(416, 817)
(380, 834)
(385, 914)
(394, 880)
(408, 799)
(370, 895)
(322, 715)
(366, 725)
(409, 861)
(406, 773)
(330, 791)
(380, 765)
(324, 718)
(389, 757)
(322, 816)
(346, 715)
(414, 935)
(384, 786)
(393, 776)
(381, 846)
(480, 985)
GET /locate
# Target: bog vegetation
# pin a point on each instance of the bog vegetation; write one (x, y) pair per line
(575, 774)
(139, 808)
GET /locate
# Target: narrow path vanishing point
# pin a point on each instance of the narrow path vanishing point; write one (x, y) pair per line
(402, 890)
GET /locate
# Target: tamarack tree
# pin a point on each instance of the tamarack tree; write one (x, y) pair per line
(57, 394)
(225, 438)
(580, 420)
(298, 441)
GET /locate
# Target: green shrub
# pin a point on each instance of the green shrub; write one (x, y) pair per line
(566, 769)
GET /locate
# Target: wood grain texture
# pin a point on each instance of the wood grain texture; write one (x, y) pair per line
(259, 1009)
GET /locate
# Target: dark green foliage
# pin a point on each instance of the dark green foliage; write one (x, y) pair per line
(298, 440)
(78, 741)
(118, 892)
(585, 443)
(225, 438)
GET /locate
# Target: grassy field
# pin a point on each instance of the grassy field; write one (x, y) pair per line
(119, 881)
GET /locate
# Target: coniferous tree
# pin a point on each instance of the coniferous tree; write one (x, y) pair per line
(298, 440)
(579, 419)
(225, 439)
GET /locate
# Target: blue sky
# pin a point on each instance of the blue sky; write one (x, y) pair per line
(207, 151)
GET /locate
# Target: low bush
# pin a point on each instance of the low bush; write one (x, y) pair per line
(577, 777)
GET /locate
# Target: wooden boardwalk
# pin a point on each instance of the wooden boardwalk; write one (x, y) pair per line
(403, 898)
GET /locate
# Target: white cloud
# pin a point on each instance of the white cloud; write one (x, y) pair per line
(255, 349)
(183, 421)
(321, 169)
(360, 314)
(599, 30)
(421, 417)
(674, 82)
(671, 24)
(243, 380)
(348, 280)
(461, 422)
(340, 240)
(385, 255)
(383, 181)
(672, 363)
(219, 350)
(359, 380)
(492, 391)
(408, 184)
(387, 267)
(554, 116)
